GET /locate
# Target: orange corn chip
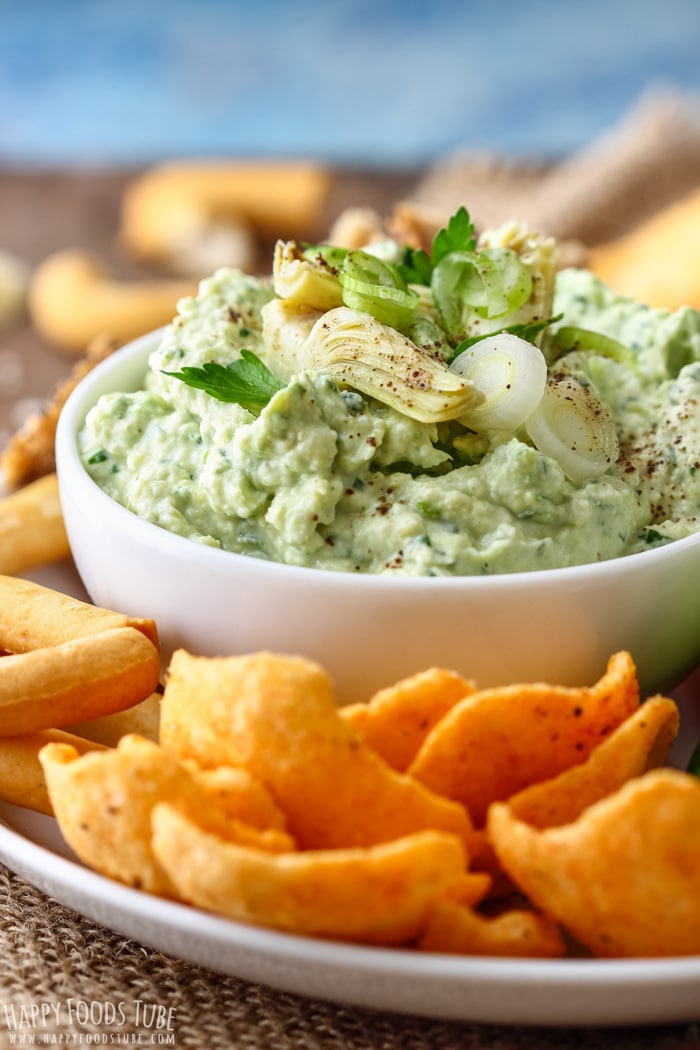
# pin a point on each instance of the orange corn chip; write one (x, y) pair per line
(103, 800)
(498, 741)
(276, 717)
(639, 744)
(397, 719)
(239, 795)
(456, 929)
(379, 895)
(623, 878)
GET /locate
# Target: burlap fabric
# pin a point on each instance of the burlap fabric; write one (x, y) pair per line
(68, 982)
(644, 163)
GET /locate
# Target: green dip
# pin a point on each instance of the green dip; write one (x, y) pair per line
(330, 478)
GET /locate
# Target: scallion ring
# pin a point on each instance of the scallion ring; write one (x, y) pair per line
(570, 337)
(572, 427)
(373, 286)
(510, 373)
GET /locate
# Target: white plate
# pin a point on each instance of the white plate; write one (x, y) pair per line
(497, 991)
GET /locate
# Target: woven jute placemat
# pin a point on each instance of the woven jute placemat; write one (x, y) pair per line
(65, 981)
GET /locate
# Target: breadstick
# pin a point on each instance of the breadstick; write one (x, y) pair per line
(658, 262)
(76, 680)
(32, 617)
(21, 774)
(173, 201)
(143, 719)
(29, 453)
(32, 532)
(73, 300)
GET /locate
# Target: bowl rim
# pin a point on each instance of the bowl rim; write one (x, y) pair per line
(70, 466)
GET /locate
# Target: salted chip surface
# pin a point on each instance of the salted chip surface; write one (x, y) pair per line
(639, 744)
(624, 878)
(276, 717)
(459, 930)
(103, 801)
(498, 741)
(381, 894)
(397, 719)
(240, 795)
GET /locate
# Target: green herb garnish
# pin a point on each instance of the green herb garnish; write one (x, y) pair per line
(416, 266)
(99, 457)
(694, 762)
(654, 536)
(457, 236)
(247, 381)
(528, 332)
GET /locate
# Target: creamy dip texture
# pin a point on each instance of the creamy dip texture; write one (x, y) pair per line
(329, 477)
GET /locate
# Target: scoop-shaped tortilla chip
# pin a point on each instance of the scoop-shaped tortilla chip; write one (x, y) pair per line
(240, 795)
(397, 719)
(623, 879)
(276, 716)
(103, 801)
(641, 743)
(498, 741)
(381, 894)
(458, 930)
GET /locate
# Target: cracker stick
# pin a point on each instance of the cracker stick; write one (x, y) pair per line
(29, 453)
(32, 617)
(74, 299)
(32, 532)
(21, 775)
(76, 680)
(143, 719)
(174, 205)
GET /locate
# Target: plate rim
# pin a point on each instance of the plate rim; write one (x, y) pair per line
(68, 880)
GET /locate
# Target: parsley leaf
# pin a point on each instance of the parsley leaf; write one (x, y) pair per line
(528, 332)
(416, 266)
(247, 381)
(457, 236)
(654, 536)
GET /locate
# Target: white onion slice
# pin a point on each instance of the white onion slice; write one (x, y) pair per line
(571, 426)
(510, 373)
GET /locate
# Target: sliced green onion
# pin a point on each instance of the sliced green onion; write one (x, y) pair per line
(491, 283)
(694, 762)
(329, 253)
(457, 283)
(570, 337)
(529, 332)
(572, 427)
(373, 286)
(516, 279)
(510, 373)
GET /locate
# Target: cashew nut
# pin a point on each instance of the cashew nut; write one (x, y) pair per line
(73, 299)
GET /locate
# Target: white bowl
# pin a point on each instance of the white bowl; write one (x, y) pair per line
(558, 625)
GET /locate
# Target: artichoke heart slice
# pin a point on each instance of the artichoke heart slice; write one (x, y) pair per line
(286, 326)
(307, 283)
(380, 362)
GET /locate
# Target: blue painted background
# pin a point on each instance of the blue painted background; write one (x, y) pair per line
(124, 81)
